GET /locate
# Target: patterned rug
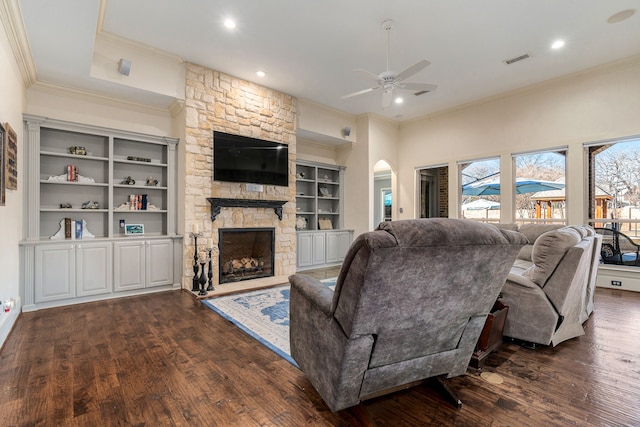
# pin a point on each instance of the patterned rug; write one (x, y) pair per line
(263, 314)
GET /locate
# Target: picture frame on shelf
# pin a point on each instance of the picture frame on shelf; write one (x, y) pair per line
(325, 224)
(134, 229)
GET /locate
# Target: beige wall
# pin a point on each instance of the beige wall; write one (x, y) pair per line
(12, 101)
(47, 101)
(591, 106)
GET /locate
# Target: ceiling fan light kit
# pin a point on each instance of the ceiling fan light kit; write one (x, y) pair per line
(389, 80)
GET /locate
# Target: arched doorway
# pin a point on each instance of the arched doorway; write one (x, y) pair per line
(382, 193)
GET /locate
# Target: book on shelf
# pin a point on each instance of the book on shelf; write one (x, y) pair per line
(138, 202)
(67, 228)
(78, 229)
(72, 173)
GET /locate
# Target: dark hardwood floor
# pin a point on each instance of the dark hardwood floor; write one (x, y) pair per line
(166, 360)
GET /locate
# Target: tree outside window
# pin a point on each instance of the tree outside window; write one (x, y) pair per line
(546, 205)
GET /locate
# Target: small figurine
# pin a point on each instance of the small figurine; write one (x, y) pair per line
(91, 205)
(75, 149)
(151, 182)
(129, 181)
(66, 205)
(300, 175)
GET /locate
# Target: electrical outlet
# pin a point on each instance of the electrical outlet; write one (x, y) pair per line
(616, 283)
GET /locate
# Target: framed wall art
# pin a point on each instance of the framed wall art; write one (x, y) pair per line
(11, 162)
(3, 166)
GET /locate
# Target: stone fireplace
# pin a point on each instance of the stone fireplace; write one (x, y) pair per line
(245, 253)
(218, 101)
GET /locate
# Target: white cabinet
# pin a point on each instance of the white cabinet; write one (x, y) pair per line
(322, 248)
(159, 262)
(338, 243)
(304, 250)
(143, 264)
(68, 270)
(129, 265)
(55, 275)
(93, 268)
(102, 177)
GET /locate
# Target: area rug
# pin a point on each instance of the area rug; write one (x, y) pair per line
(263, 314)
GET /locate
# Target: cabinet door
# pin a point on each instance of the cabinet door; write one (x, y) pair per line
(128, 265)
(94, 268)
(55, 272)
(344, 243)
(338, 243)
(319, 241)
(304, 249)
(333, 246)
(159, 263)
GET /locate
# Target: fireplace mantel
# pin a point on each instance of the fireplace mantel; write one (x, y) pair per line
(217, 204)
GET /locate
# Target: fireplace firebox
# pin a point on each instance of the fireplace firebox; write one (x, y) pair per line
(245, 253)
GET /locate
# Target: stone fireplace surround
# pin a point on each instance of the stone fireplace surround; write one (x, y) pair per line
(217, 101)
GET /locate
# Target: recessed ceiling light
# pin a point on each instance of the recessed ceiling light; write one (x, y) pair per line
(557, 44)
(399, 100)
(229, 23)
(260, 73)
(621, 16)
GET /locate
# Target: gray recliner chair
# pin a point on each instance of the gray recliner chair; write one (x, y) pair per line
(409, 304)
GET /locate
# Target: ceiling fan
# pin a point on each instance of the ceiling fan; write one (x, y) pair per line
(390, 80)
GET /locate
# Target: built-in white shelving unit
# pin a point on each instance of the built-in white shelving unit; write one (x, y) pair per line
(93, 175)
(322, 241)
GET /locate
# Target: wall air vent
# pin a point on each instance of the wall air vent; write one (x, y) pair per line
(517, 59)
(422, 92)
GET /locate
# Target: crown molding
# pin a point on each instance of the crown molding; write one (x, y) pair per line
(69, 92)
(176, 107)
(11, 18)
(345, 115)
(149, 50)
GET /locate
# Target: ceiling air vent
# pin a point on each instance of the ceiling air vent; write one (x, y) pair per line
(517, 59)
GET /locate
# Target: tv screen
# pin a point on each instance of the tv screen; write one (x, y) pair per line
(243, 159)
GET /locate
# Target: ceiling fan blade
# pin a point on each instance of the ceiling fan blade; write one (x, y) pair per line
(418, 66)
(368, 74)
(387, 96)
(360, 92)
(418, 87)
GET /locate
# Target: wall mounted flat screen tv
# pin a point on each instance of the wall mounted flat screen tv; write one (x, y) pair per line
(249, 160)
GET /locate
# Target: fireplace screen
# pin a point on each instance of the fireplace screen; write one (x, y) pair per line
(245, 253)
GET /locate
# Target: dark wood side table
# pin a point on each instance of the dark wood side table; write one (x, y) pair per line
(491, 336)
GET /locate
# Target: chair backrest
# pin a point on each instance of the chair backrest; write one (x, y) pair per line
(416, 284)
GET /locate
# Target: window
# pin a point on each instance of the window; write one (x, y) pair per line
(614, 185)
(540, 187)
(480, 191)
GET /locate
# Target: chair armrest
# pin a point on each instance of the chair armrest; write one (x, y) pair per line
(313, 290)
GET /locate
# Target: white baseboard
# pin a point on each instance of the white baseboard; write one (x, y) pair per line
(627, 277)
(7, 320)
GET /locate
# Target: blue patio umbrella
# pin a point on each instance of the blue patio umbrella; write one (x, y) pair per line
(491, 187)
